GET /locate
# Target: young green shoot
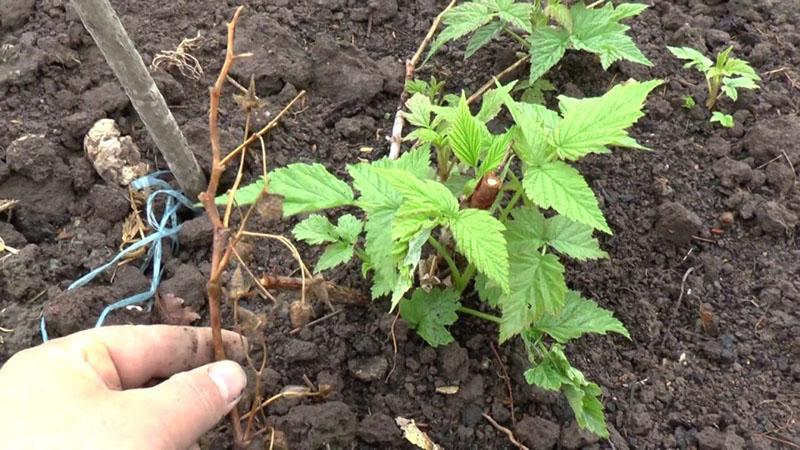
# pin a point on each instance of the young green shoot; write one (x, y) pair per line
(724, 77)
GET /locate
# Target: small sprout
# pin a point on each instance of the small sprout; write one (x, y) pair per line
(726, 120)
(688, 102)
(723, 77)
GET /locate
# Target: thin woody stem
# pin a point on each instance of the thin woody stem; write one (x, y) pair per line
(220, 247)
(411, 64)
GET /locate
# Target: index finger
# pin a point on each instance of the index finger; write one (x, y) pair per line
(140, 353)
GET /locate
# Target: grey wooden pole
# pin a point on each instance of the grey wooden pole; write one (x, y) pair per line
(99, 18)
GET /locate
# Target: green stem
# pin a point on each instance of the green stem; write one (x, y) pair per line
(447, 258)
(469, 272)
(511, 205)
(480, 315)
(360, 253)
(517, 38)
(713, 93)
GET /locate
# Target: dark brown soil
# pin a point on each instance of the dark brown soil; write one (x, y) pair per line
(730, 380)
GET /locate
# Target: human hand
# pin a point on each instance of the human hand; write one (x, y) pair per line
(87, 390)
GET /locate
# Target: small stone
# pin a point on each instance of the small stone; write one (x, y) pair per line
(775, 219)
(574, 437)
(382, 10)
(717, 38)
(378, 429)
(537, 433)
(780, 177)
(36, 158)
(109, 202)
(368, 369)
(726, 218)
(188, 283)
(196, 233)
(712, 439)
(767, 139)
(731, 172)
(677, 224)
(639, 420)
(453, 361)
(471, 415)
(297, 350)
(105, 99)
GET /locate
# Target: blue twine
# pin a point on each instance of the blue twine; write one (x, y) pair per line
(166, 226)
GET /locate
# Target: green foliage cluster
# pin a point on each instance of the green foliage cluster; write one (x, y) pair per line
(724, 77)
(546, 31)
(511, 251)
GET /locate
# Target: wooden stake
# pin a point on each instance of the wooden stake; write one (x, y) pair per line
(102, 22)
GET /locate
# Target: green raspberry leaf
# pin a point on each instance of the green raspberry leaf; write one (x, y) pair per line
(466, 135)
(348, 228)
(590, 124)
(315, 230)
(548, 46)
(430, 313)
(626, 10)
(421, 196)
(417, 162)
(597, 30)
(419, 111)
(246, 195)
(587, 408)
(495, 154)
(378, 247)
(577, 317)
(527, 231)
(573, 239)
(479, 237)
(554, 371)
(546, 376)
(537, 287)
(492, 101)
(335, 254)
(560, 186)
(694, 58)
(488, 291)
(517, 14)
(309, 188)
(460, 21)
(482, 36)
(726, 120)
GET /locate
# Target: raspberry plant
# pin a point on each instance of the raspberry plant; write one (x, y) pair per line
(723, 77)
(578, 27)
(499, 211)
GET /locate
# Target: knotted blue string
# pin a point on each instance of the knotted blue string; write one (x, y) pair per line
(167, 226)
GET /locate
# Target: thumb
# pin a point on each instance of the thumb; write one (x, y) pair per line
(192, 402)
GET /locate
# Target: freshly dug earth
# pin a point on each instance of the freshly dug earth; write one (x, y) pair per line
(704, 267)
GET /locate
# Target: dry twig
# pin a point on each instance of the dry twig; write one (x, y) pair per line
(488, 85)
(508, 383)
(507, 432)
(677, 306)
(411, 64)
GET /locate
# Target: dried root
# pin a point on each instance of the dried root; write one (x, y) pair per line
(182, 58)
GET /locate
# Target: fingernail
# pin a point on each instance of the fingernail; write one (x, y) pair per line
(229, 378)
